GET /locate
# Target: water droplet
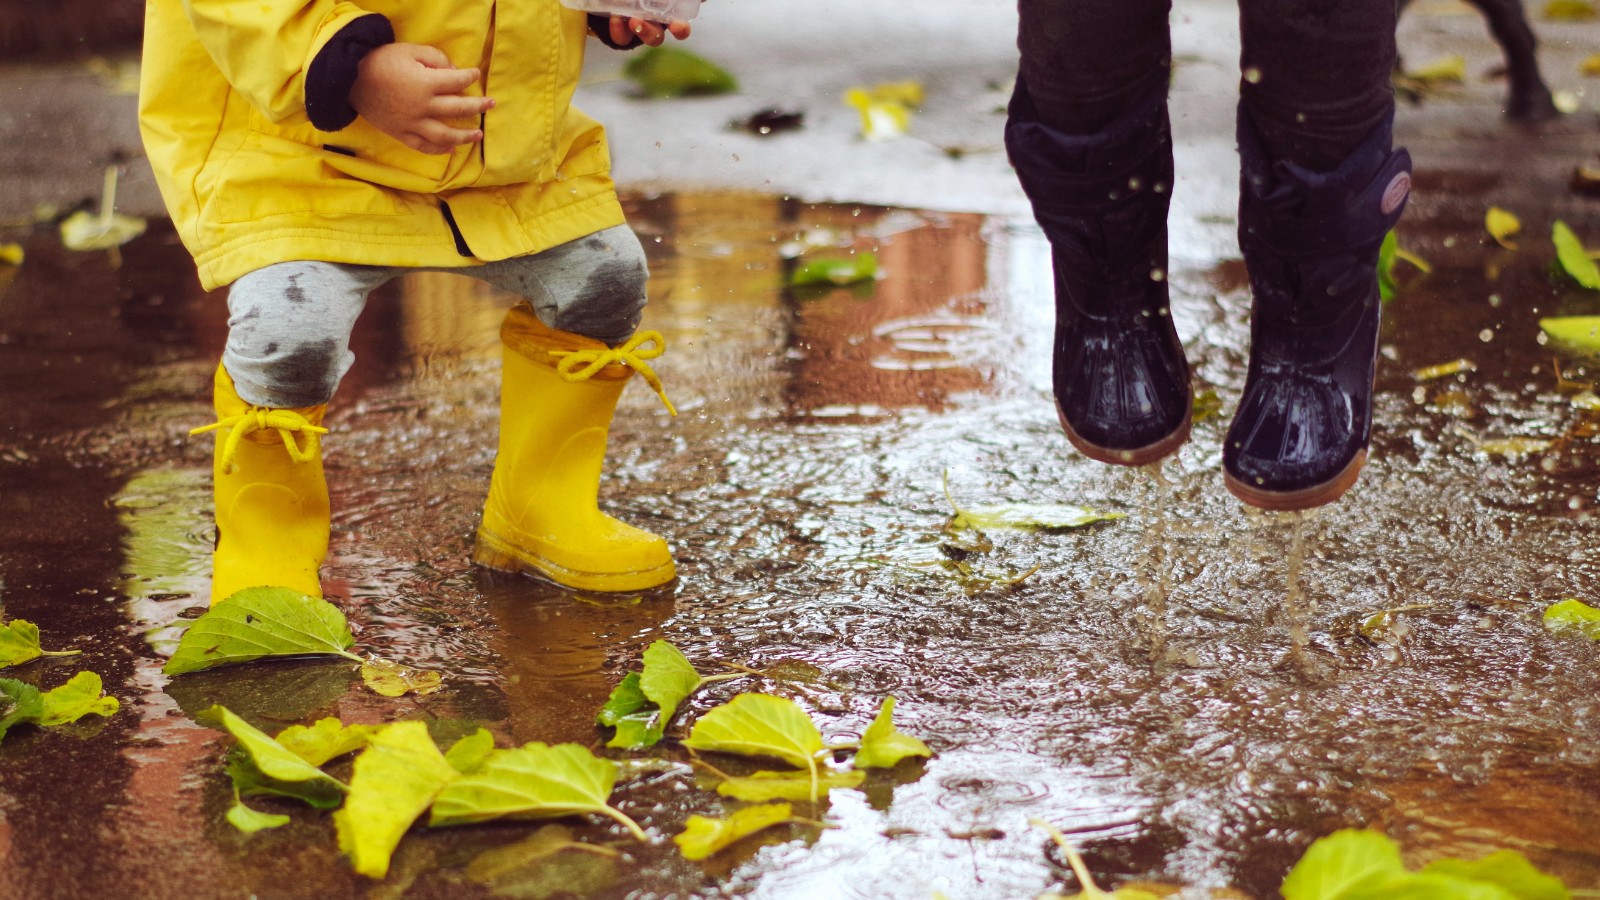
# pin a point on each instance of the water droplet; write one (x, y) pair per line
(1548, 464)
(1486, 335)
(1450, 241)
(1494, 300)
(1542, 339)
(1299, 117)
(1575, 503)
(1134, 184)
(1419, 395)
(1252, 74)
(1158, 275)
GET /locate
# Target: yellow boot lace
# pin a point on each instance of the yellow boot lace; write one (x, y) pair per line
(287, 422)
(580, 365)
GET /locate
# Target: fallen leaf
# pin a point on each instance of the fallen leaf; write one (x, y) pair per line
(759, 725)
(84, 230)
(19, 643)
(1507, 870)
(262, 622)
(668, 678)
(471, 752)
(1574, 257)
(20, 703)
(393, 782)
(763, 787)
(1514, 447)
(11, 254)
(703, 836)
(250, 820)
(880, 120)
(391, 679)
(1452, 69)
(535, 781)
(1580, 333)
(1206, 405)
(1023, 516)
(1573, 616)
(1442, 370)
(261, 765)
(882, 746)
(664, 72)
(1590, 65)
(79, 697)
(1502, 225)
(854, 269)
(327, 739)
(549, 863)
(1569, 10)
(637, 721)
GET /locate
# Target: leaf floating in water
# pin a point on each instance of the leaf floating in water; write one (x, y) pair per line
(1390, 253)
(394, 781)
(704, 836)
(1451, 69)
(264, 766)
(1207, 405)
(885, 108)
(20, 704)
(250, 820)
(81, 696)
(1569, 10)
(1580, 333)
(1574, 258)
(549, 863)
(11, 254)
(471, 752)
(764, 787)
(759, 725)
(391, 679)
(1355, 863)
(1502, 226)
(1030, 517)
(1515, 446)
(664, 72)
(1442, 370)
(262, 622)
(668, 678)
(1573, 616)
(19, 643)
(327, 739)
(857, 268)
(637, 720)
(535, 781)
(84, 230)
(883, 746)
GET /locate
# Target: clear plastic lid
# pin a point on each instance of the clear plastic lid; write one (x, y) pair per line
(654, 10)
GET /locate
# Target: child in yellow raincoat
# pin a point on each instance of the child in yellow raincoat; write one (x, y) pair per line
(309, 151)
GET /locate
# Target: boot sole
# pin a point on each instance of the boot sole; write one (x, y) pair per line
(1304, 498)
(494, 552)
(1138, 456)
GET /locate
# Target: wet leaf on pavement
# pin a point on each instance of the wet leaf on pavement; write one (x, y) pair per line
(638, 721)
(1502, 225)
(20, 703)
(104, 230)
(261, 765)
(391, 679)
(703, 836)
(394, 781)
(882, 745)
(250, 820)
(326, 739)
(759, 725)
(549, 863)
(1023, 516)
(535, 781)
(1451, 69)
(19, 643)
(854, 269)
(1570, 10)
(1581, 333)
(1573, 617)
(1357, 863)
(1574, 258)
(81, 696)
(471, 752)
(11, 254)
(1507, 870)
(664, 72)
(1390, 254)
(763, 787)
(1443, 370)
(258, 623)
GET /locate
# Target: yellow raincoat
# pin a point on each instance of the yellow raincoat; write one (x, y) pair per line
(250, 181)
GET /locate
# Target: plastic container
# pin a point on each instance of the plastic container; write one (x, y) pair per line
(654, 10)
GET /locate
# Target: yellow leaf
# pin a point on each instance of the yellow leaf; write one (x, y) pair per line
(906, 93)
(1502, 225)
(1569, 10)
(1451, 68)
(10, 254)
(1514, 446)
(86, 231)
(1586, 401)
(1591, 66)
(1454, 367)
(880, 120)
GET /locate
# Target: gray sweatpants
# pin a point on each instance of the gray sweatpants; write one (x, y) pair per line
(289, 324)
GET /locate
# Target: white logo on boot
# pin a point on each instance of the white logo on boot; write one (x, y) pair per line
(1395, 193)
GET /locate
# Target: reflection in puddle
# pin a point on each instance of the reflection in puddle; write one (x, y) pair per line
(808, 464)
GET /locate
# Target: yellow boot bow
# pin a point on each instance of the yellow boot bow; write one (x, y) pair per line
(580, 365)
(287, 422)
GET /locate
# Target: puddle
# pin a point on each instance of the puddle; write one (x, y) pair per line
(802, 488)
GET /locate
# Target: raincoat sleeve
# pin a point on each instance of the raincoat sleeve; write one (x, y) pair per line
(265, 48)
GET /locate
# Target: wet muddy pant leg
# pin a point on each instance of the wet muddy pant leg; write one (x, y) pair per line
(1316, 75)
(1085, 62)
(593, 286)
(289, 330)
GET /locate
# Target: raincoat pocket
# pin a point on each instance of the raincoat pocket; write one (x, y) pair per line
(271, 176)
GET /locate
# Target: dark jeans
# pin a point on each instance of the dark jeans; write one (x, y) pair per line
(1316, 72)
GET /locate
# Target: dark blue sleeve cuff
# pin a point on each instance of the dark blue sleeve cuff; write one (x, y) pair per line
(600, 27)
(333, 73)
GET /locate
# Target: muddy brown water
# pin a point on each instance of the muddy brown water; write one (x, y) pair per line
(1137, 690)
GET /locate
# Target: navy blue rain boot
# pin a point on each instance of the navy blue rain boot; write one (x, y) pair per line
(1120, 377)
(1310, 242)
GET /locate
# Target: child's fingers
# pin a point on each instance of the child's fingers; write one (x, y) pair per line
(451, 81)
(432, 57)
(433, 136)
(619, 31)
(450, 106)
(679, 29)
(648, 31)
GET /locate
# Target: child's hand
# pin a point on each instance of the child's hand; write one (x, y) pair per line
(410, 92)
(652, 33)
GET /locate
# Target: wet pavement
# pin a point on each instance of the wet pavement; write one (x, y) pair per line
(1137, 690)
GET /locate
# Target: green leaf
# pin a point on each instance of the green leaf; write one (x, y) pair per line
(1342, 866)
(763, 787)
(549, 863)
(668, 678)
(1445, 69)
(391, 679)
(675, 72)
(19, 643)
(759, 725)
(394, 781)
(1574, 258)
(638, 722)
(1581, 333)
(250, 820)
(262, 622)
(328, 739)
(1573, 616)
(626, 699)
(882, 746)
(853, 269)
(20, 703)
(1387, 252)
(535, 781)
(1023, 516)
(469, 753)
(264, 766)
(703, 836)
(1502, 225)
(79, 697)
(1506, 869)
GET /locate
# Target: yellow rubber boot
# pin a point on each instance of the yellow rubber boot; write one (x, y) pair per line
(272, 500)
(558, 393)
